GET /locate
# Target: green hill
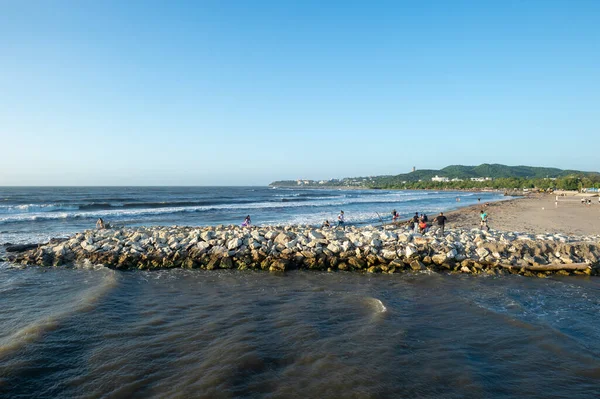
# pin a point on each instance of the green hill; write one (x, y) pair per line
(501, 175)
(494, 171)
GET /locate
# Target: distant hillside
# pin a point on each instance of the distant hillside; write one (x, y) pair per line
(457, 172)
(495, 171)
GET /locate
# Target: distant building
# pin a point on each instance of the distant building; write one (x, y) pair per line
(440, 179)
(414, 168)
(456, 179)
(481, 178)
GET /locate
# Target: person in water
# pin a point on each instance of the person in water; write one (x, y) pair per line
(100, 225)
(395, 216)
(341, 219)
(247, 222)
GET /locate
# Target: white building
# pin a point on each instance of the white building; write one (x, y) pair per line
(481, 178)
(440, 179)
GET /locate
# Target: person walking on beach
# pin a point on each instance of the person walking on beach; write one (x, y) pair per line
(341, 219)
(247, 222)
(440, 220)
(483, 224)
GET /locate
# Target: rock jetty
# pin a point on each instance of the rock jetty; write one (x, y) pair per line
(371, 249)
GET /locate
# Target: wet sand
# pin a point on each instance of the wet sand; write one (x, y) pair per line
(533, 214)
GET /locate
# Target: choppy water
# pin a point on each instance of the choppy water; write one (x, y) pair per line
(34, 214)
(78, 332)
(225, 334)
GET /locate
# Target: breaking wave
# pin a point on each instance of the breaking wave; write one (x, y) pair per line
(161, 209)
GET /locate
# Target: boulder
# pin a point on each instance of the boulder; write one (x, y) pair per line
(278, 265)
(389, 254)
(482, 252)
(234, 244)
(202, 246)
(315, 235)
(334, 247)
(417, 265)
(438, 259)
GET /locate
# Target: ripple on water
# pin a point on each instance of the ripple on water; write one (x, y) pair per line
(247, 334)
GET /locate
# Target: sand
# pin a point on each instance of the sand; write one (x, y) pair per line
(534, 214)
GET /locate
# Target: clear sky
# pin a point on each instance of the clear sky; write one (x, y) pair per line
(246, 92)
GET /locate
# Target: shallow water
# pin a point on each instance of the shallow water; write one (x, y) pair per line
(223, 334)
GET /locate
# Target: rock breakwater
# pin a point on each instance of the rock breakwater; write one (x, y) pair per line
(371, 249)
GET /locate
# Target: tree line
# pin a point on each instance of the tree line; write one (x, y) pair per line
(503, 183)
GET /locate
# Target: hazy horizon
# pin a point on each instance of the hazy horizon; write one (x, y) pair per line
(238, 94)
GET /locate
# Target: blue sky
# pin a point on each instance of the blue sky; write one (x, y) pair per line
(247, 92)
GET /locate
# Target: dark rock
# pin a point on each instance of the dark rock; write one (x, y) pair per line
(279, 265)
(21, 247)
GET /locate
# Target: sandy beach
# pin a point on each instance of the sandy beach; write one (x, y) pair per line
(536, 213)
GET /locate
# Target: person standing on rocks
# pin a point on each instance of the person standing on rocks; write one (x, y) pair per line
(247, 222)
(341, 219)
(440, 220)
(415, 222)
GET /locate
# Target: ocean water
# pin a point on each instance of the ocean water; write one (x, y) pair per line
(34, 214)
(92, 332)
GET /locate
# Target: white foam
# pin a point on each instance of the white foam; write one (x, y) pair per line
(388, 198)
(28, 208)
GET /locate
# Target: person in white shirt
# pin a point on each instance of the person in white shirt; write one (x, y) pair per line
(341, 219)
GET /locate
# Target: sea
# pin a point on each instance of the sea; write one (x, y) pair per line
(92, 332)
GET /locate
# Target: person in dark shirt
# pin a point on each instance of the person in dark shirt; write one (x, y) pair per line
(440, 220)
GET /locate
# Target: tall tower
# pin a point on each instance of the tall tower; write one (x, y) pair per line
(414, 168)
